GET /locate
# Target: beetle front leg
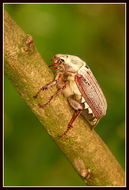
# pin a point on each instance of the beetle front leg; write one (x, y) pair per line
(47, 86)
(53, 96)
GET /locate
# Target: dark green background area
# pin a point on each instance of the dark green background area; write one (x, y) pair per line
(95, 33)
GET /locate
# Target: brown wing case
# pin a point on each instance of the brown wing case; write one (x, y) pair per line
(91, 92)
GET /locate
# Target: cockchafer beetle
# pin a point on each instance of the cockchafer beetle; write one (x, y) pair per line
(78, 84)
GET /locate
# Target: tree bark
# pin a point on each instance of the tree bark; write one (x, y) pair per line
(85, 150)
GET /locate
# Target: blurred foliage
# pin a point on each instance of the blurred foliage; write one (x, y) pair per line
(95, 33)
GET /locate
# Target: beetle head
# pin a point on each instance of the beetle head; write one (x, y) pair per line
(67, 63)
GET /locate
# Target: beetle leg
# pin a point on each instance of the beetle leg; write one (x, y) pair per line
(74, 117)
(78, 107)
(47, 86)
(53, 96)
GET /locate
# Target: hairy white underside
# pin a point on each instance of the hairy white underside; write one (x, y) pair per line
(71, 89)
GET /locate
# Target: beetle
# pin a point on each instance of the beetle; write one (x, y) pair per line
(78, 84)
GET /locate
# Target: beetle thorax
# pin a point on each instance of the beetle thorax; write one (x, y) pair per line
(73, 64)
(68, 63)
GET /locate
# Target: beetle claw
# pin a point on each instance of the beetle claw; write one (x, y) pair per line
(68, 128)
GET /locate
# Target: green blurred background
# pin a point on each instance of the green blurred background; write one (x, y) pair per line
(95, 33)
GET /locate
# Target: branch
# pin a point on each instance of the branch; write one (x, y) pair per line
(82, 146)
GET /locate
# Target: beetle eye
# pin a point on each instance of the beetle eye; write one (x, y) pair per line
(87, 66)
